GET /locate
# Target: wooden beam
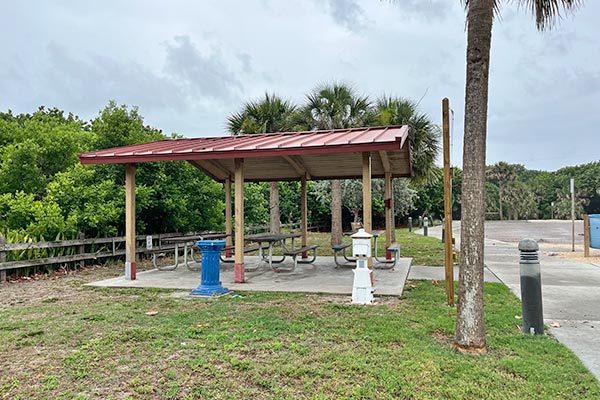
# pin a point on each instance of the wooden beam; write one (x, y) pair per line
(239, 220)
(2, 258)
(449, 249)
(385, 162)
(298, 165)
(367, 206)
(389, 222)
(130, 222)
(304, 213)
(212, 168)
(228, 230)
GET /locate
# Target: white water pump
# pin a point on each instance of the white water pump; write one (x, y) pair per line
(362, 290)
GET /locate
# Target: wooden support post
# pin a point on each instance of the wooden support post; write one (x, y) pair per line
(81, 249)
(2, 258)
(572, 214)
(304, 213)
(228, 230)
(389, 219)
(239, 220)
(130, 222)
(586, 235)
(367, 207)
(449, 249)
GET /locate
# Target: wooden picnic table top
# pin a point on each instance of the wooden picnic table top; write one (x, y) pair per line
(193, 238)
(271, 237)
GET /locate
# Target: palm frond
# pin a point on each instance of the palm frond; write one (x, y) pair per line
(546, 12)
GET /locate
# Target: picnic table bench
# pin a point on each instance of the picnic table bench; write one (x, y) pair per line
(338, 249)
(247, 249)
(301, 250)
(341, 248)
(186, 243)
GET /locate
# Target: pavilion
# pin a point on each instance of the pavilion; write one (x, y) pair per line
(373, 152)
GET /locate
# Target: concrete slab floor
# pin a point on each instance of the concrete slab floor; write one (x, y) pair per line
(319, 277)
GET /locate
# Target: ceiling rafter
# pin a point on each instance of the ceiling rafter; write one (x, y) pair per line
(298, 165)
(213, 168)
(385, 162)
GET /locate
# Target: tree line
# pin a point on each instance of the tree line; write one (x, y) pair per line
(515, 192)
(46, 194)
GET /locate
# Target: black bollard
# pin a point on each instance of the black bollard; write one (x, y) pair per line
(420, 221)
(425, 225)
(531, 288)
(410, 224)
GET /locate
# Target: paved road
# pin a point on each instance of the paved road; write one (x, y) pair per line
(570, 289)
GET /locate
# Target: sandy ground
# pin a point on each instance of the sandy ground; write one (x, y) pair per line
(66, 284)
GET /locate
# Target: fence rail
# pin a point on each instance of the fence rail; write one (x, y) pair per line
(81, 250)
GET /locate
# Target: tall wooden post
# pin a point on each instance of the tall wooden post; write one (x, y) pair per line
(239, 221)
(572, 214)
(389, 221)
(130, 272)
(586, 235)
(448, 259)
(2, 258)
(304, 213)
(228, 230)
(367, 207)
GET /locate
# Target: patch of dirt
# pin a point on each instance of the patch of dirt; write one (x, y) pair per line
(564, 251)
(443, 338)
(63, 284)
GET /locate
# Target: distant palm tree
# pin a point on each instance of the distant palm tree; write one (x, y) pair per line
(501, 174)
(270, 114)
(470, 327)
(424, 136)
(335, 106)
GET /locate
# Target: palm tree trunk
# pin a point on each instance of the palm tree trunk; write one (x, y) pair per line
(274, 215)
(336, 212)
(470, 326)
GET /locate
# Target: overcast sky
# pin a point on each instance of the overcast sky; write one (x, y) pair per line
(189, 64)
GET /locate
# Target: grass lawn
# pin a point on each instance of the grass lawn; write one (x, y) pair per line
(80, 343)
(424, 250)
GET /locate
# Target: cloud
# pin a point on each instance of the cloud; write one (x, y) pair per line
(348, 14)
(87, 78)
(246, 60)
(199, 75)
(425, 9)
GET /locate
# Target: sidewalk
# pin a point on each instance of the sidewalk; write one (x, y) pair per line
(570, 290)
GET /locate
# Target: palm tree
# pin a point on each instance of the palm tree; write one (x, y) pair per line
(271, 114)
(424, 136)
(335, 106)
(470, 328)
(501, 174)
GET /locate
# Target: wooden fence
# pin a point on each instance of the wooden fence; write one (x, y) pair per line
(71, 251)
(14, 256)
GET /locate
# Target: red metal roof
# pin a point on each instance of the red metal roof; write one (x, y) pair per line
(301, 146)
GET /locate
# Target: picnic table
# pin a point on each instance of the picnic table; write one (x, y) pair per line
(269, 240)
(351, 261)
(189, 244)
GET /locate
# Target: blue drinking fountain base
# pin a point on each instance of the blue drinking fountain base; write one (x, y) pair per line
(210, 285)
(210, 290)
